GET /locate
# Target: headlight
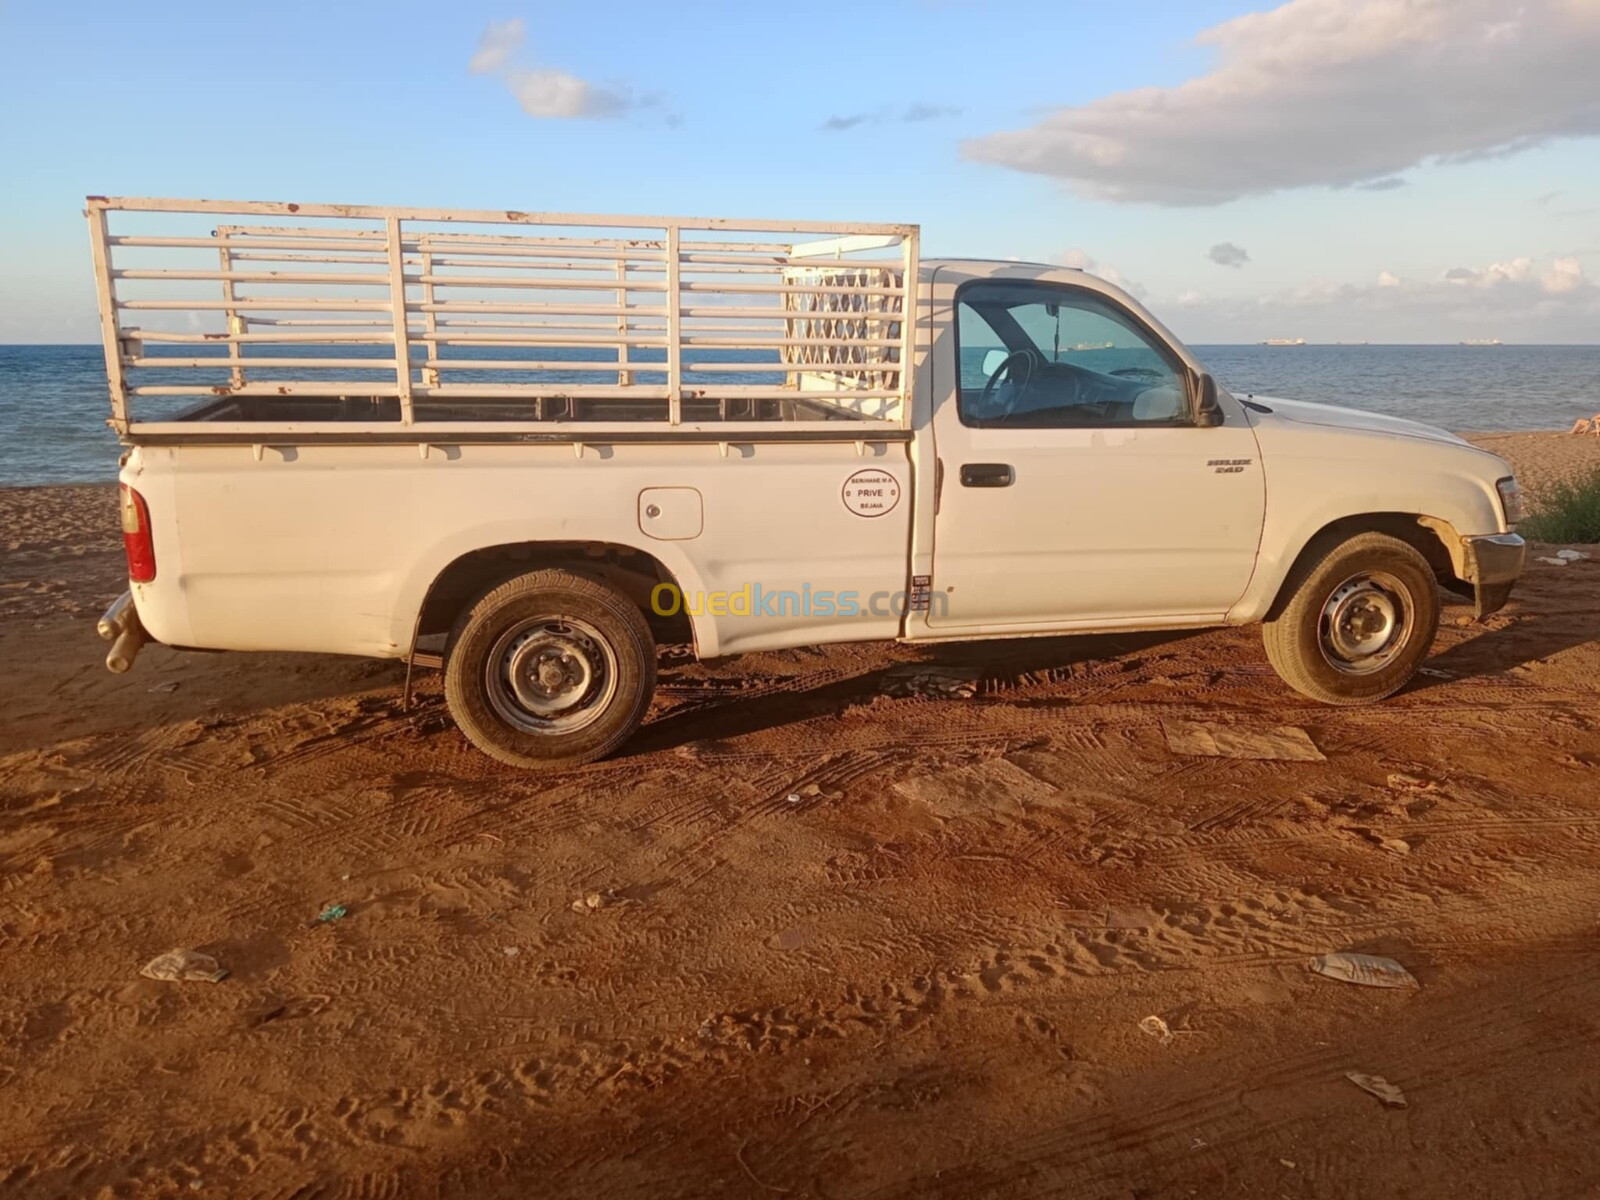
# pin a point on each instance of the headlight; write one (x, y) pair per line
(1510, 500)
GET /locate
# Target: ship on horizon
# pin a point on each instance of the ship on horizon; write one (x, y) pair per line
(1482, 342)
(1284, 342)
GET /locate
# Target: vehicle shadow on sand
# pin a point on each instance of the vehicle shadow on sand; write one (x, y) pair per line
(1542, 623)
(985, 664)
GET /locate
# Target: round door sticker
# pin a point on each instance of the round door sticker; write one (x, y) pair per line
(871, 493)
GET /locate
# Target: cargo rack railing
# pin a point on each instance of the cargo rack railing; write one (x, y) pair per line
(349, 321)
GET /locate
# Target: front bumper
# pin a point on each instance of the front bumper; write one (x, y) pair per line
(1493, 564)
(121, 627)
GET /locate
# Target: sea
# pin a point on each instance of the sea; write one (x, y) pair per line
(54, 401)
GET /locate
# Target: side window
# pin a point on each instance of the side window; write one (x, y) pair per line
(1040, 356)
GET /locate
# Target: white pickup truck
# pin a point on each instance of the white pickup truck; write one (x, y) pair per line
(527, 446)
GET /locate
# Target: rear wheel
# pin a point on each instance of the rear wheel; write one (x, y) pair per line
(1357, 623)
(551, 668)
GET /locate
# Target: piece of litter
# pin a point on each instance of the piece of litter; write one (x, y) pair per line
(1392, 845)
(1554, 562)
(170, 686)
(1378, 1086)
(511, 951)
(1156, 1028)
(1412, 783)
(1571, 555)
(184, 966)
(333, 912)
(1436, 673)
(1368, 970)
(1286, 1162)
(1206, 739)
(940, 682)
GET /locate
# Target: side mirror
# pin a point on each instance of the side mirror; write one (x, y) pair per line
(1207, 412)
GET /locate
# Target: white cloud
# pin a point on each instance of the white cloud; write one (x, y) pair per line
(547, 92)
(496, 45)
(1495, 274)
(1080, 260)
(1564, 275)
(1515, 300)
(1329, 92)
(1226, 254)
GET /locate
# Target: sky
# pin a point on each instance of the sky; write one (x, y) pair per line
(1339, 170)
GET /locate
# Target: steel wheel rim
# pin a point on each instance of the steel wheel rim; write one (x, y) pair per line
(550, 675)
(1365, 623)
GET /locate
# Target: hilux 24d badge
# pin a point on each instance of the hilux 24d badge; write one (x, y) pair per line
(871, 493)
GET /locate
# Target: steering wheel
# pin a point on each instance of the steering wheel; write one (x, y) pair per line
(1017, 360)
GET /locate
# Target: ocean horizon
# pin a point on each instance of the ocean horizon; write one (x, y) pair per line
(54, 399)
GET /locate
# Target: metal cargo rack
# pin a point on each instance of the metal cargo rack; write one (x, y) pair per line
(353, 323)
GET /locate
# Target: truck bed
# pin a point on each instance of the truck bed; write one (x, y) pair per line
(390, 317)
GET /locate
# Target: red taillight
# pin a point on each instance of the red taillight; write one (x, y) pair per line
(136, 538)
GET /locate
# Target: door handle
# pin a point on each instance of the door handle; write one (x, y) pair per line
(987, 475)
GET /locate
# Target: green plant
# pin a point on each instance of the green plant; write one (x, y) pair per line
(1567, 512)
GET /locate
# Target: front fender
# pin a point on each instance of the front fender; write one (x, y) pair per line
(1449, 490)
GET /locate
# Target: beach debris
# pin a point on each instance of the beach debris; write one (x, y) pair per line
(1157, 1028)
(1571, 555)
(511, 951)
(184, 966)
(1404, 781)
(794, 938)
(594, 901)
(1377, 1085)
(170, 686)
(1207, 739)
(1554, 562)
(943, 682)
(1435, 673)
(1392, 845)
(334, 912)
(1367, 970)
(811, 791)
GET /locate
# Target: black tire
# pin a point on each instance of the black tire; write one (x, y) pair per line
(550, 669)
(1354, 622)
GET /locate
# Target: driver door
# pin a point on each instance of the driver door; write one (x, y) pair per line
(1076, 488)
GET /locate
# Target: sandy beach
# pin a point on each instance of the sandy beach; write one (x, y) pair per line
(803, 937)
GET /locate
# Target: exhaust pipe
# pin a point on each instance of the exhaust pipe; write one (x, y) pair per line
(125, 649)
(116, 617)
(121, 627)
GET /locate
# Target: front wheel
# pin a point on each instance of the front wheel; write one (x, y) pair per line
(1357, 622)
(549, 669)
